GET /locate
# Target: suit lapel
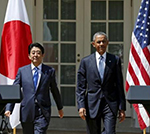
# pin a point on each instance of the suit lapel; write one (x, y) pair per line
(42, 76)
(94, 65)
(30, 75)
(108, 63)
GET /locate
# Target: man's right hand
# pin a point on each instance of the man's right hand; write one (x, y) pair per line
(7, 113)
(82, 113)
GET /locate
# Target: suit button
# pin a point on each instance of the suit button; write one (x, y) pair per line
(36, 101)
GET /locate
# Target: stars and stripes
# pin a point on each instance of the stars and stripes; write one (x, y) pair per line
(138, 72)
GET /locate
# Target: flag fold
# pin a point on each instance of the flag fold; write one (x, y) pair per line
(138, 72)
(15, 39)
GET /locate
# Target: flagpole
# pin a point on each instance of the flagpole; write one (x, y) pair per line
(14, 130)
(144, 131)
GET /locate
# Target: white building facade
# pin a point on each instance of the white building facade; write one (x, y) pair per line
(65, 28)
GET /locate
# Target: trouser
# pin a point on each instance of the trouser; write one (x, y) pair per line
(108, 118)
(39, 126)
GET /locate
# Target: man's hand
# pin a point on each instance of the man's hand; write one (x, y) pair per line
(7, 113)
(82, 113)
(61, 113)
(121, 116)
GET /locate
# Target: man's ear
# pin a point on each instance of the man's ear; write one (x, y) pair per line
(43, 55)
(29, 57)
(93, 44)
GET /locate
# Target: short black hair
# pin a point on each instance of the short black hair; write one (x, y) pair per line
(35, 45)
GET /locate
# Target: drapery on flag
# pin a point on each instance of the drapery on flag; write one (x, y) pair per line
(138, 72)
(16, 37)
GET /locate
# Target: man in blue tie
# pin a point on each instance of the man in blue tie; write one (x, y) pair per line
(100, 91)
(36, 81)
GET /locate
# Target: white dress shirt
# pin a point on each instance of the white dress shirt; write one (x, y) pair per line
(98, 59)
(39, 72)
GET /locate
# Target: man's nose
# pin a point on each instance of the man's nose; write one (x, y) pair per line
(101, 43)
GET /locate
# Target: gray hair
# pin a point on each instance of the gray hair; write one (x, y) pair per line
(99, 33)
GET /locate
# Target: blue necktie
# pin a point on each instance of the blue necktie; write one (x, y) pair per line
(101, 67)
(35, 77)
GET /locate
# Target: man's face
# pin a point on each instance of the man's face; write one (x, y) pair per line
(100, 44)
(36, 56)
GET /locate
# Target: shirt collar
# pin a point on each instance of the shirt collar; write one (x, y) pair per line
(98, 55)
(39, 66)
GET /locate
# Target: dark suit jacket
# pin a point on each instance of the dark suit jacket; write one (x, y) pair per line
(47, 82)
(89, 85)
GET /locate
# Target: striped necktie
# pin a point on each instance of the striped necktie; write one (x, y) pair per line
(101, 67)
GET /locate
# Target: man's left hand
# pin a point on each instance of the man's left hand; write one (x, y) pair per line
(121, 115)
(61, 113)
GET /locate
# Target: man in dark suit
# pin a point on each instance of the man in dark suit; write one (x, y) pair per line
(36, 80)
(100, 91)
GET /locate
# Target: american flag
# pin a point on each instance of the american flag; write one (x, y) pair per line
(138, 72)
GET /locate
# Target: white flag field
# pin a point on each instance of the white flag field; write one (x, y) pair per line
(15, 38)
